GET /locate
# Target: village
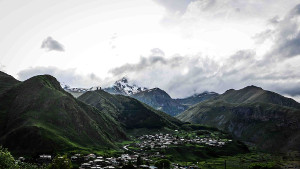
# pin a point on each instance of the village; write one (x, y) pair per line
(137, 152)
(145, 151)
(165, 140)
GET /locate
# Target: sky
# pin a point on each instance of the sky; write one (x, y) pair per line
(181, 46)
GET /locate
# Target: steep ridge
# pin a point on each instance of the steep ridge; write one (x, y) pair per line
(6, 82)
(38, 116)
(265, 118)
(156, 98)
(196, 98)
(160, 100)
(129, 111)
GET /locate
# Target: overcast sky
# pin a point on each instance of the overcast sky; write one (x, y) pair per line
(181, 46)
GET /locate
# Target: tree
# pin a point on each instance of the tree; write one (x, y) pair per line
(139, 161)
(163, 164)
(7, 160)
(128, 166)
(60, 162)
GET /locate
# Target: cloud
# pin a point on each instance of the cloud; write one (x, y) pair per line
(181, 12)
(67, 76)
(156, 58)
(263, 36)
(182, 76)
(275, 20)
(2, 67)
(287, 36)
(157, 52)
(50, 44)
(175, 6)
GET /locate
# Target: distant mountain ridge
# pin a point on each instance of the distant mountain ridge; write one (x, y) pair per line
(160, 100)
(156, 98)
(197, 98)
(129, 111)
(265, 118)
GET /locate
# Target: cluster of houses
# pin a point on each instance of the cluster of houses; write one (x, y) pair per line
(165, 140)
(98, 162)
(144, 142)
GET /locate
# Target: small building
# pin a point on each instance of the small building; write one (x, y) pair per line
(86, 165)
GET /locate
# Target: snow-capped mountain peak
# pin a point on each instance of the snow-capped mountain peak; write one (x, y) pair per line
(78, 89)
(124, 87)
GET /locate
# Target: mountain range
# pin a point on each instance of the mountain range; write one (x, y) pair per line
(131, 113)
(156, 97)
(38, 116)
(252, 114)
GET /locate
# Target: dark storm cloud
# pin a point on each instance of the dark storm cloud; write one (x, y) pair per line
(293, 90)
(50, 44)
(157, 57)
(287, 33)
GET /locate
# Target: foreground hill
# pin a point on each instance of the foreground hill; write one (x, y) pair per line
(128, 111)
(6, 82)
(38, 116)
(265, 118)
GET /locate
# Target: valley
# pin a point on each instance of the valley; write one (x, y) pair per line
(244, 128)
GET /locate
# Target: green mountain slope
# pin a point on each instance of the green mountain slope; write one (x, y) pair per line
(38, 116)
(197, 98)
(265, 118)
(128, 111)
(6, 82)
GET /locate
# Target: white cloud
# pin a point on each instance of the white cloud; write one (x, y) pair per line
(68, 76)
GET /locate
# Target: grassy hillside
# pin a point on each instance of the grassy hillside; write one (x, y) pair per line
(197, 98)
(262, 117)
(128, 111)
(6, 82)
(38, 116)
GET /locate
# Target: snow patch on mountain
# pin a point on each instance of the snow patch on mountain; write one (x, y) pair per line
(78, 89)
(122, 86)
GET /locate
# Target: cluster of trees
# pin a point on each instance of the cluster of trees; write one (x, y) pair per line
(7, 161)
(264, 166)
